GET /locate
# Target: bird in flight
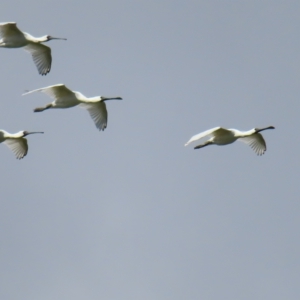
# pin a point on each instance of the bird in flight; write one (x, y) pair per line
(65, 98)
(16, 142)
(12, 37)
(222, 136)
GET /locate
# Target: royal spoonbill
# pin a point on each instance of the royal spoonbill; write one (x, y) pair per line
(16, 142)
(12, 37)
(65, 98)
(222, 136)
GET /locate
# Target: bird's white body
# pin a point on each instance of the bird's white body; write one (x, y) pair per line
(65, 98)
(12, 37)
(16, 142)
(222, 136)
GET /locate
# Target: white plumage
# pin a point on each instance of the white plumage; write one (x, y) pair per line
(65, 98)
(222, 136)
(12, 37)
(16, 142)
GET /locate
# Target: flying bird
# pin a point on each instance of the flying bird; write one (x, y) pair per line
(12, 37)
(222, 136)
(65, 98)
(16, 142)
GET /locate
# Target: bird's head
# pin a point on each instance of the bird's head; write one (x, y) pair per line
(27, 132)
(265, 128)
(47, 38)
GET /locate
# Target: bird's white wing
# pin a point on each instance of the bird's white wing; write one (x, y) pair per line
(41, 55)
(211, 132)
(58, 92)
(10, 30)
(256, 142)
(18, 146)
(97, 112)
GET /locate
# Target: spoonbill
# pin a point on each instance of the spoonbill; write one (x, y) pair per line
(222, 136)
(65, 98)
(12, 37)
(16, 142)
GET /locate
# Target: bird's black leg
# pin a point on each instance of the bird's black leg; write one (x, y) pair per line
(203, 145)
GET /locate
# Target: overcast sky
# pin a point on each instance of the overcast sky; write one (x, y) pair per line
(130, 213)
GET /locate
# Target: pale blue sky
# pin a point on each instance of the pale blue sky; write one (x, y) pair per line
(130, 213)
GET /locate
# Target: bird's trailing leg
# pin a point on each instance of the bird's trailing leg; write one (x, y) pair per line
(39, 109)
(204, 145)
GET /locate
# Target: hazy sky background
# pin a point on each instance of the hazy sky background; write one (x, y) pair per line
(130, 213)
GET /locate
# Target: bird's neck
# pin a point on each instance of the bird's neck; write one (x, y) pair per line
(90, 100)
(241, 134)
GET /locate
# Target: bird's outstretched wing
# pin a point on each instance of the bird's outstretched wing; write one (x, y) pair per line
(18, 146)
(10, 30)
(41, 55)
(58, 92)
(97, 112)
(209, 132)
(256, 142)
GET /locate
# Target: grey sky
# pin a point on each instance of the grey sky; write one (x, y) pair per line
(130, 213)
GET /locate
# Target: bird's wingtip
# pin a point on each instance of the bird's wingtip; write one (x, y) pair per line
(25, 92)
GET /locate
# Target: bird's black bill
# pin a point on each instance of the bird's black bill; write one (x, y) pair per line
(112, 98)
(262, 129)
(27, 132)
(56, 38)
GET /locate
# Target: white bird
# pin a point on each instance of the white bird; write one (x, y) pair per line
(12, 37)
(222, 136)
(65, 98)
(16, 142)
